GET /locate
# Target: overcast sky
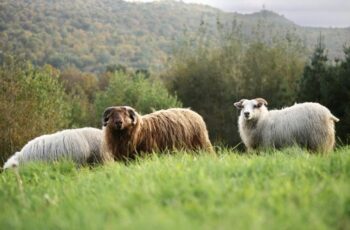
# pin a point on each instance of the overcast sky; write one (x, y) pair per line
(325, 13)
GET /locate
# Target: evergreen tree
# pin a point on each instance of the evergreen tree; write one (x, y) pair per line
(314, 74)
(341, 97)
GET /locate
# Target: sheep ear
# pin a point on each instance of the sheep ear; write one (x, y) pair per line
(238, 104)
(133, 115)
(105, 115)
(261, 101)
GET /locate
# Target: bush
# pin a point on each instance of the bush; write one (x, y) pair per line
(136, 91)
(32, 102)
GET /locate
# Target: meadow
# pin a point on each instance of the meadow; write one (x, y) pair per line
(289, 189)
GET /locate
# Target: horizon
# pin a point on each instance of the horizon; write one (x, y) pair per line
(325, 14)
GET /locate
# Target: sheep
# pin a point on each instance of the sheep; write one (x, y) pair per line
(127, 134)
(83, 146)
(309, 125)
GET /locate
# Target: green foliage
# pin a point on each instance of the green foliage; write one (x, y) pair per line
(82, 113)
(136, 91)
(288, 189)
(272, 73)
(81, 89)
(32, 102)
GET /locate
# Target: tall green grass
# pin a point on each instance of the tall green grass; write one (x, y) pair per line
(275, 190)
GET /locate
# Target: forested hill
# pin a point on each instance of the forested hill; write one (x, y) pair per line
(91, 34)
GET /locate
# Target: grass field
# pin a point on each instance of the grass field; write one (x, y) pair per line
(275, 190)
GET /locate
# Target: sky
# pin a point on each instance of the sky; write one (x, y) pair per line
(319, 13)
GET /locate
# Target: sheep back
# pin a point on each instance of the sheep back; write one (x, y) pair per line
(79, 145)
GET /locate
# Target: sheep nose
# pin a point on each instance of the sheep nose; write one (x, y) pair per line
(246, 114)
(118, 124)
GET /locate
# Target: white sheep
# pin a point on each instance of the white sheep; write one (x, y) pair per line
(309, 125)
(83, 146)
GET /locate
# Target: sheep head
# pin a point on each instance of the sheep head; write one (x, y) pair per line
(251, 109)
(119, 118)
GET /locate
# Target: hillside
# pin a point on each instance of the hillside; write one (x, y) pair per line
(91, 34)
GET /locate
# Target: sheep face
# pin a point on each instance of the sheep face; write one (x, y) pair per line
(251, 109)
(119, 118)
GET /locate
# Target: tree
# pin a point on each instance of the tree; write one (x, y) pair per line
(315, 74)
(272, 73)
(337, 94)
(81, 90)
(344, 96)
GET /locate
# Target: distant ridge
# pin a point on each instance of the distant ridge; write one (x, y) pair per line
(91, 34)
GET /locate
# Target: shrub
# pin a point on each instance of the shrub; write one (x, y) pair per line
(136, 91)
(32, 102)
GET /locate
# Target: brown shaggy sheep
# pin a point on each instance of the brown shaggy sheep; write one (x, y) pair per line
(126, 133)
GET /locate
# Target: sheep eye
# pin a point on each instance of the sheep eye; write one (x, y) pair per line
(256, 106)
